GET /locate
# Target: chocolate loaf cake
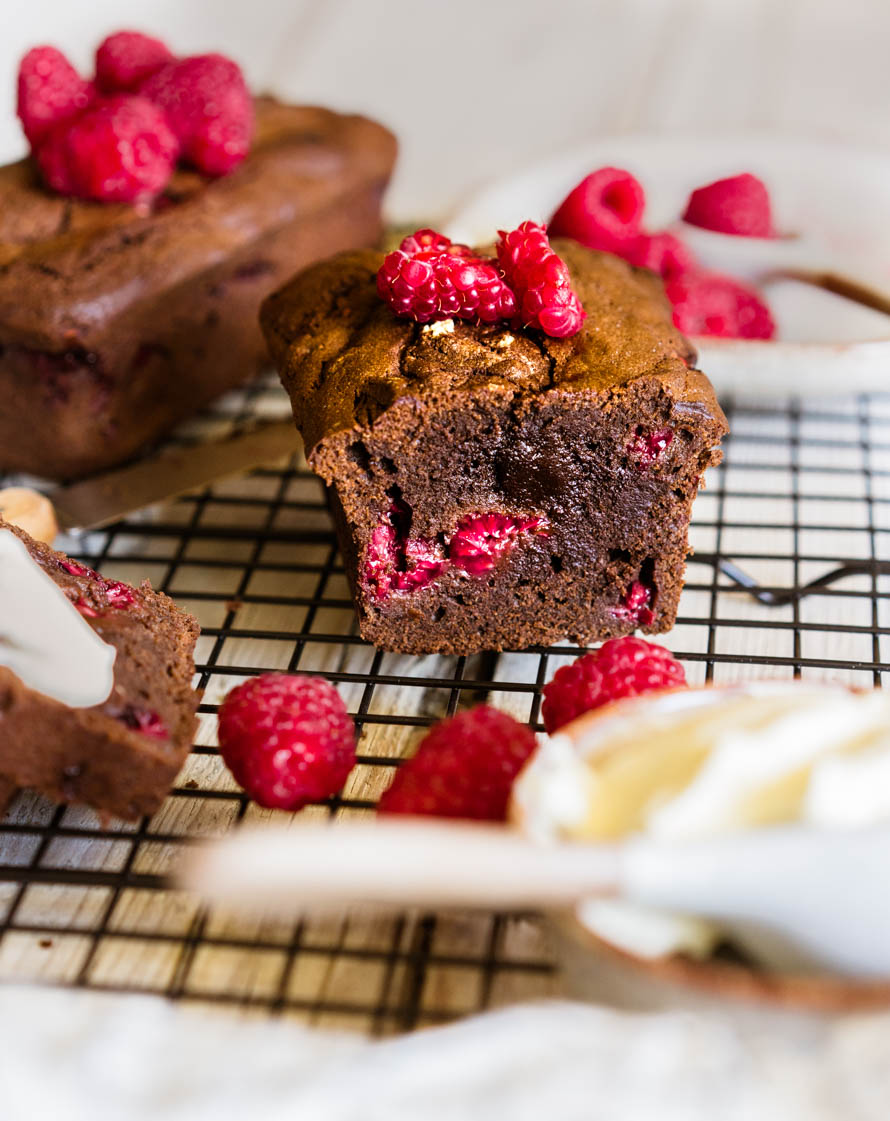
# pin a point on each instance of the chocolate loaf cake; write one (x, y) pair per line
(118, 321)
(115, 745)
(492, 487)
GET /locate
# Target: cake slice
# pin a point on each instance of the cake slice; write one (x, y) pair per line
(494, 487)
(96, 700)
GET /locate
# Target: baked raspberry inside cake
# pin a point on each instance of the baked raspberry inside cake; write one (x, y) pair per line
(494, 487)
(118, 752)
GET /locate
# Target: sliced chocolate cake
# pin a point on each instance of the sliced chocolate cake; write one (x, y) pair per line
(494, 487)
(96, 697)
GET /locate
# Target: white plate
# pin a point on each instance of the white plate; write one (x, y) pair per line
(833, 195)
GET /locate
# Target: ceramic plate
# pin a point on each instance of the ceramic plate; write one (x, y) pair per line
(834, 198)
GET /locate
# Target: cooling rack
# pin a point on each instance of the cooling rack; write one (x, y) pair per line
(799, 511)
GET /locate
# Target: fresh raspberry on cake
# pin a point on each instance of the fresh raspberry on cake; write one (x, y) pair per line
(429, 278)
(128, 58)
(50, 92)
(709, 303)
(622, 667)
(605, 210)
(287, 740)
(121, 149)
(540, 280)
(463, 768)
(738, 205)
(209, 108)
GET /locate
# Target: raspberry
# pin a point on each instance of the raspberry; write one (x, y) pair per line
(540, 281)
(143, 721)
(120, 596)
(738, 205)
(75, 568)
(622, 667)
(287, 740)
(482, 539)
(431, 242)
(647, 447)
(395, 562)
(662, 253)
(636, 605)
(429, 278)
(464, 767)
(209, 108)
(50, 91)
(119, 150)
(709, 303)
(126, 59)
(604, 211)
(86, 609)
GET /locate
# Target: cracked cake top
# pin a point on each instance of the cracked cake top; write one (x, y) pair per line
(345, 358)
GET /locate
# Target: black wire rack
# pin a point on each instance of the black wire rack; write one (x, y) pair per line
(791, 577)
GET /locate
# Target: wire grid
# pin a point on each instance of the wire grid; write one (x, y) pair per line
(86, 903)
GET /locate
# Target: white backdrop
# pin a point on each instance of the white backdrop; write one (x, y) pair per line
(475, 88)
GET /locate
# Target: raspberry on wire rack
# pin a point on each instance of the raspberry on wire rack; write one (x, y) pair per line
(287, 740)
(622, 667)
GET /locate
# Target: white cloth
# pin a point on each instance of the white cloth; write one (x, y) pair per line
(79, 1056)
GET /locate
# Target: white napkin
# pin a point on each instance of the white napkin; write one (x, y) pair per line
(79, 1056)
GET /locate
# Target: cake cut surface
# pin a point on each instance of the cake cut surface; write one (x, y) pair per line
(120, 756)
(117, 321)
(493, 487)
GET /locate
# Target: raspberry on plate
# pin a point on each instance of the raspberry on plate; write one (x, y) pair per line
(50, 91)
(662, 253)
(604, 211)
(428, 278)
(121, 149)
(127, 58)
(709, 303)
(540, 280)
(622, 667)
(209, 108)
(287, 740)
(464, 768)
(738, 205)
